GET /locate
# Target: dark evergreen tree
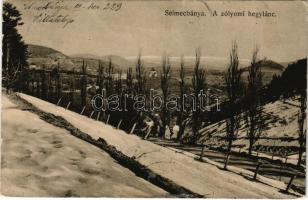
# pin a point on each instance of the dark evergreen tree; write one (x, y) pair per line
(274, 88)
(291, 82)
(14, 56)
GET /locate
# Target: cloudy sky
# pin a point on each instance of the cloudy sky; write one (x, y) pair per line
(143, 25)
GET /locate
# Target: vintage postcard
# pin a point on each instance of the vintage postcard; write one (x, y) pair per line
(154, 98)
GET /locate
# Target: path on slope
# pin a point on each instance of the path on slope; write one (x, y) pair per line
(39, 159)
(201, 178)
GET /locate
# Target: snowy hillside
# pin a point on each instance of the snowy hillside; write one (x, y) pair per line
(46, 161)
(280, 125)
(202, 178)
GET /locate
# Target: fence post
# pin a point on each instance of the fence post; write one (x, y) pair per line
(256, 171)
(107, 119)
(273, 150)
(68, 105)
(97, 118)
(119, 124)
(148, 133)
(202, 153)
(59, 101)
(280, 170)
(83, 110)
(133, 128)
(227, 160)
(91, 114)
(290, 183)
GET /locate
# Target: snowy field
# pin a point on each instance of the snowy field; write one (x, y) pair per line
(202, 178)
(39, 159)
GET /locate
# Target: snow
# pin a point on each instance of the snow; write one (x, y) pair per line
(292, 159)
(281, 121)
(39, 159)
(202, 178)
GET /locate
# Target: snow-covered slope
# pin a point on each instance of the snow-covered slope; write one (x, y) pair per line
(280, 120)
(202, 178)
(39, 159)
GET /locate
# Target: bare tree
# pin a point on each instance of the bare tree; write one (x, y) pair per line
(83, 84)
(72, 86)
(58, 82)
(234, 88)
(199, 85)
(181, 115)
(301, 126)
(119, 84)
(109, 79)
(129, 79)
(140, 86)
(130, 113)
(253, 115)
(140, 76)
(32, 80)
(50, 86)
(165, 80)
(38, 84)
(100, 76)
(44, 86)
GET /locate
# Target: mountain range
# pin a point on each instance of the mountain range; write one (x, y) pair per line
(41, 55)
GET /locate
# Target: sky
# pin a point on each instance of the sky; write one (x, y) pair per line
(142, 25)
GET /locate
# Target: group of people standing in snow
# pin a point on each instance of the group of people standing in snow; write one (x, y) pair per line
(152, 126)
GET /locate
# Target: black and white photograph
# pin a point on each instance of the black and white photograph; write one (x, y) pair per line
(154, 99)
